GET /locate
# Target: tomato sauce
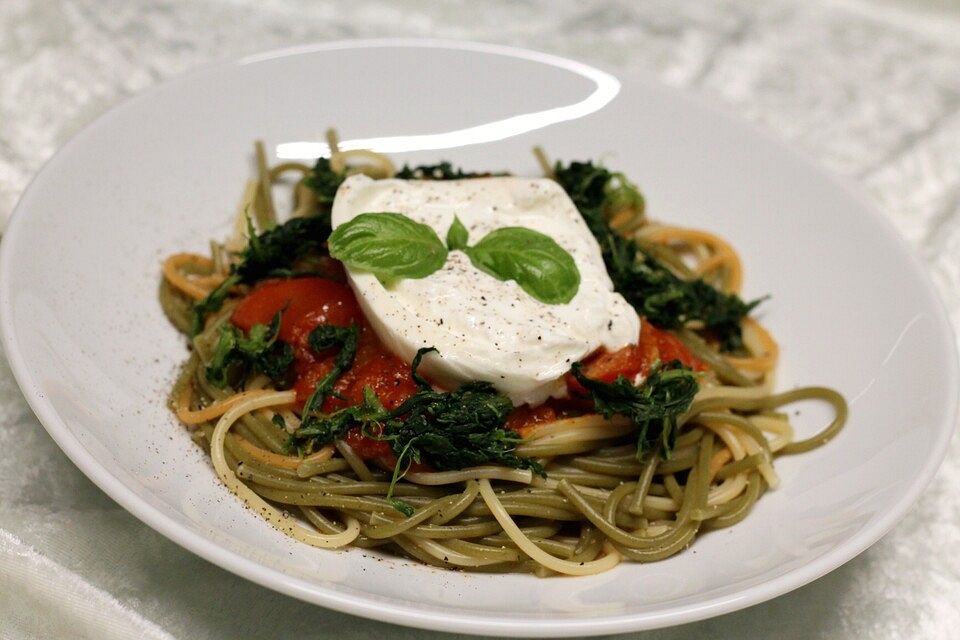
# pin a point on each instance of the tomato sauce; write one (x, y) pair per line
(655, 345)
(308, 303)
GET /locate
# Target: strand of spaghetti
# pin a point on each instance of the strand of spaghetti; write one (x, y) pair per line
(238, 239)
(739, 423)
(730, 439)
(526, 545)
(173, 275)
(727, 490)
(758, 399)
(573, 424)
(176, 305)
(660, 503)
(708, 265)
(279, 169)
(266, 213)
(209, 282)
(732, 469)
(356, 463)
(306, 200)
(607, 525)
(448, 555)
(692, 237)
(544, 162)
(282, 521)
(378, 165)
(469, 495)
(626, 221)
(765, 468)
(215, 410)
(390, 528)
(569, 447)
(702, 475)
(333, 140)
(783, 432)
(606, 429)
(720, 458)
(218, 257)
(740, 507)
(490, 472)
(313, 463)
(643, 485)
(265, 469)
(493, 553)
(269, 457)
(618, 467)
(724, 370)
(766, 346)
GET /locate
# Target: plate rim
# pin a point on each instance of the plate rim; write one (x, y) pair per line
(451, 620)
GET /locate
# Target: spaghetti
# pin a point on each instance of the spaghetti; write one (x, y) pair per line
(595, 504)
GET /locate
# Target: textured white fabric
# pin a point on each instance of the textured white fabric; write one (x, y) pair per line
(868, 88)
(41, 598)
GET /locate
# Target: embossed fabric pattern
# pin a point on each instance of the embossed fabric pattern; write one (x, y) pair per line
(869, 89)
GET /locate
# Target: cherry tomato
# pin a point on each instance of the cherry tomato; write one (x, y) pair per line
(306, 304)
(633, 360)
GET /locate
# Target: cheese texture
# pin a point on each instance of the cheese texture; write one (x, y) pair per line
(485, 328)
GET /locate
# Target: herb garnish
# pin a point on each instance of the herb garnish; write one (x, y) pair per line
(321, 339)
(653, 407)
(269, 254)
(392, 247)
(440, 171)
(236, 354)
(533, 260)
(324, 181)
(273, 252)
(450, 429)
(667, 300)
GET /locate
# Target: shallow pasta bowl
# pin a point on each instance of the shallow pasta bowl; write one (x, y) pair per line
(851, 307)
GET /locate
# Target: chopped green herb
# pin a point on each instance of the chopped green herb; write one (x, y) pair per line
(665, 299)
(324, 181)
(451, 430)
(212, 303)
(440, 171)
(401, 506)
(317, 430)
(269, 254)
(276, 250)
(328, 337)
(653, 407)
(237, 354)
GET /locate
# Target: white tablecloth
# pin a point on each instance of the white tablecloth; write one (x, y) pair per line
(868, 88)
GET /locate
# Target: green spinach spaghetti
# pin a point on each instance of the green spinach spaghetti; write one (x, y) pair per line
(478, 371)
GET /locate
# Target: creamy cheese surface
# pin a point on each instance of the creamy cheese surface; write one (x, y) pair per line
(484, 328)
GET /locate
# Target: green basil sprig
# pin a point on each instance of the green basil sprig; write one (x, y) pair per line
(541, 267)
(394, 247)
(391, 246)
(457, 236)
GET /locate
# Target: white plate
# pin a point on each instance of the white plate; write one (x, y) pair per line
(94, 355)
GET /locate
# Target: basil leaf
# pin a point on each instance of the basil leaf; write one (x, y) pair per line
(457, 235)
(541, 267)
(389, 245)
